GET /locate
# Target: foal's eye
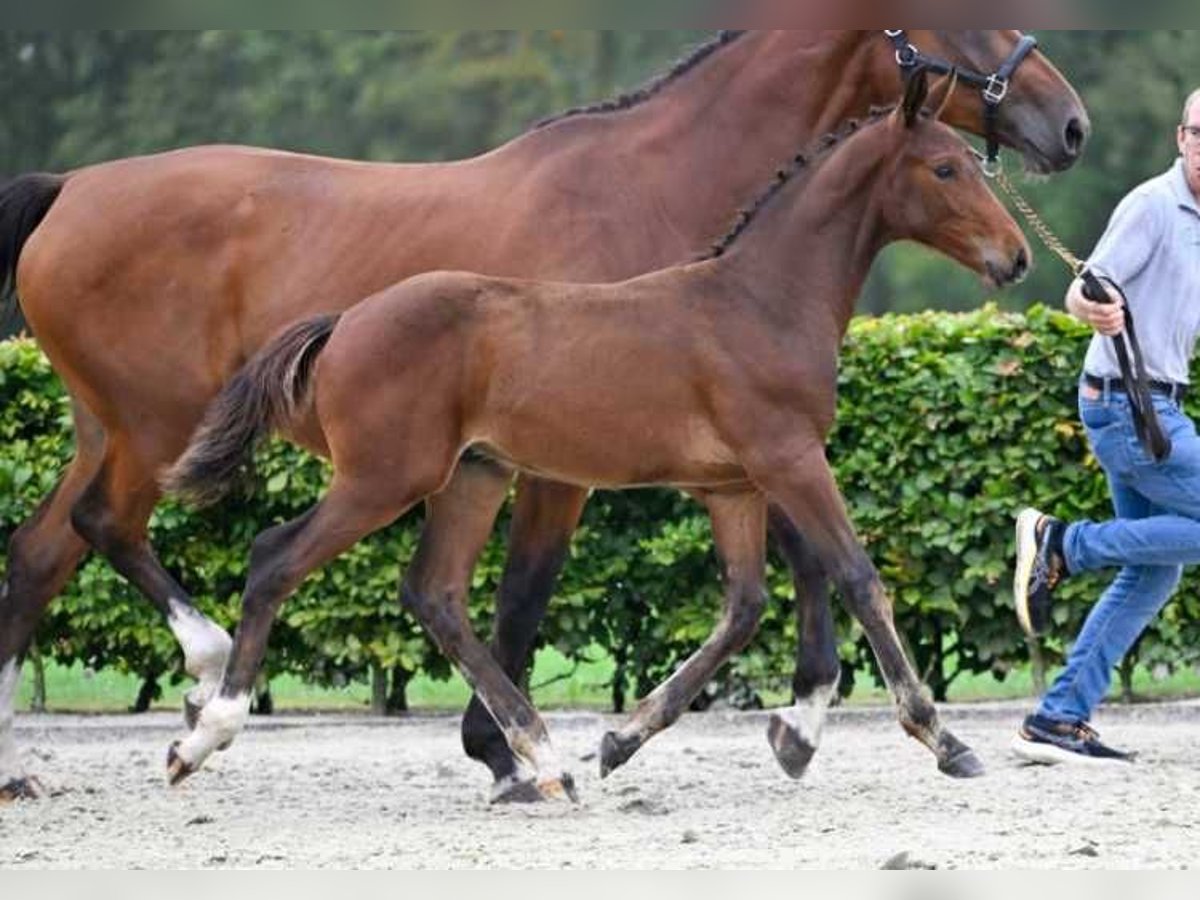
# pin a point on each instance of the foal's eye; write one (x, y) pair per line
(945, 171)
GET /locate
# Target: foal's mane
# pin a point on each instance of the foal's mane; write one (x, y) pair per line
(653, 87)
(801, 164)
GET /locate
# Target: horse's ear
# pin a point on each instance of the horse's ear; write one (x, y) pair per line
(942, 92)
(916, 90)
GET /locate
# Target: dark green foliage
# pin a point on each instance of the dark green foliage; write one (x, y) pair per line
(947, 425)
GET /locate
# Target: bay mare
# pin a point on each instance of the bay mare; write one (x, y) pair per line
(149, 281)
(719, 378)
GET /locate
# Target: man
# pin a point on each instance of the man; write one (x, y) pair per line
(1152, 251)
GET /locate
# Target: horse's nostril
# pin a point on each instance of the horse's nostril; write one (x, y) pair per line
(1076, 136)
(1021, 266)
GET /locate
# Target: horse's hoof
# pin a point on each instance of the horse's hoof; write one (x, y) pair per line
(27, 788)
(791, 751)
(177, 768)
(615, 751)
(964, 764)
(510, 792)
(559, 789)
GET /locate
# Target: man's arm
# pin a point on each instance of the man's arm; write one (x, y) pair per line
(1123, 252)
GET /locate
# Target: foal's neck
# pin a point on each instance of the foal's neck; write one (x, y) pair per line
(804, 258)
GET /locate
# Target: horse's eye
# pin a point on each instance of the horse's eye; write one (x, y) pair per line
(945, 171)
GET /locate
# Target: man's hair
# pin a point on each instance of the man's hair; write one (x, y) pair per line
(1192, 99)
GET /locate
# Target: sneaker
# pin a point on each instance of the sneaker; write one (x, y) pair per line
(1040, 569)
(1049, 743)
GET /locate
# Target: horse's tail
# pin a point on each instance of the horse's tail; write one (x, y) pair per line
(270, 393)
(24, 202)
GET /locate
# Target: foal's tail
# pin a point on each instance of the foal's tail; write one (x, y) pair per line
(24, 202)
(269, 393)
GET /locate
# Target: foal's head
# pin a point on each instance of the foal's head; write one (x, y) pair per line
(933, 191)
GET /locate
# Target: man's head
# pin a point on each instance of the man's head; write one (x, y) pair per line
(1189, 141)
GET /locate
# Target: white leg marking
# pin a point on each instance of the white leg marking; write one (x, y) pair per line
(206, 648)
(807, 718)
(10, 760)
(547, 767)
(220, 722)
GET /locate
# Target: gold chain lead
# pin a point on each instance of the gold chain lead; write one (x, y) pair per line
(1039, 226)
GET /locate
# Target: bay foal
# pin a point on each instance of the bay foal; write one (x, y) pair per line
(718, 377)
(150, 281)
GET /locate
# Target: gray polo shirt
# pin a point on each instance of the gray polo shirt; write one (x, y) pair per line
(1152, 250)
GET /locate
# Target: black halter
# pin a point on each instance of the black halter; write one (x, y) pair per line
(993, 88)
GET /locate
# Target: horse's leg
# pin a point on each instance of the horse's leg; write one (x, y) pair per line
(112, 515)
(545, 516)
(281, 558)
(795, 733)
(42, 555)
(804, 486)
(739, 532)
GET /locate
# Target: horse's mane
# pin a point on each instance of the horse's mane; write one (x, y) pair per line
(802, 163)
(653, 87)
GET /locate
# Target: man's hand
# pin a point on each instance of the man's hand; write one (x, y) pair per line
(1106, 318)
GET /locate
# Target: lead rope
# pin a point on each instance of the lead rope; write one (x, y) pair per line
(1129, 352)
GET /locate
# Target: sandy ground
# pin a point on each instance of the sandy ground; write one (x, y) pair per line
(353, 792)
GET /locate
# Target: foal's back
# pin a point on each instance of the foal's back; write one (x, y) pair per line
(606, 385)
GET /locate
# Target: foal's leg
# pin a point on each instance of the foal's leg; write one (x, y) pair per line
(795, 733)
(804, 486)
(112, 515)
(440, 604)
(281, 558)
(739, 532)
(545, 516)
(42, 555)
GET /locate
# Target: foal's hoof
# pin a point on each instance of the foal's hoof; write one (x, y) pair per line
(791, 751)
(615, 751)
(559, 789)
(178, 769)
(27, 788)
(964, 764)
(510, 792)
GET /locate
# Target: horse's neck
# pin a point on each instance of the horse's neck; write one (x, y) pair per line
(805, 257)
(712, 138)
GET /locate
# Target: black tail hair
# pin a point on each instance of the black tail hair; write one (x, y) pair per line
(24, 202)
(267, 394)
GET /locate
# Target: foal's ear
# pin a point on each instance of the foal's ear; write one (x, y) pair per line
(916, 90)
(942, 92)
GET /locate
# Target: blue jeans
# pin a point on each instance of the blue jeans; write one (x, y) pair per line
(1156, 533)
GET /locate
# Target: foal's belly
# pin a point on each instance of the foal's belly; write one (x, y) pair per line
(684, 452)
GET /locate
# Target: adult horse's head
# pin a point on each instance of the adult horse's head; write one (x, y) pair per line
(1036, 111)
(934, 192)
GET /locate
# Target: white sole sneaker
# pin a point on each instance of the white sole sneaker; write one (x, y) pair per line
(1041, 754)
(1027, 523)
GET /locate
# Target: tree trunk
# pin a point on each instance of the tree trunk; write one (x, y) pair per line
(1128, 664)
(147, 694)
(379, 691)
(397, 699)
(38, 703)
(264, 703)
(1037, 665)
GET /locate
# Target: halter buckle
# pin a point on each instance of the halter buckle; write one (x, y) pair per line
(996, 90)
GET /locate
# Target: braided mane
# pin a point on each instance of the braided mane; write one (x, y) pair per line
(799, 165)
(652, 88)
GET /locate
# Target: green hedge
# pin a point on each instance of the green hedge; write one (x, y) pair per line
(947, 425)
